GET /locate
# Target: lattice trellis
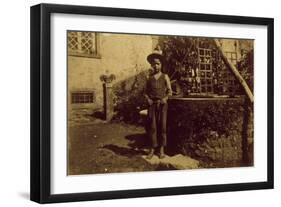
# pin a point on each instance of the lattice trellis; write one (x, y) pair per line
(205, 70)
(82, 43)
(197, 67)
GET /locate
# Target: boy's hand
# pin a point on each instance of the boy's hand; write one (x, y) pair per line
(164, 100)
(150, 102)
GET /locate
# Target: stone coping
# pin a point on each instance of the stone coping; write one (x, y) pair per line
(214, 98)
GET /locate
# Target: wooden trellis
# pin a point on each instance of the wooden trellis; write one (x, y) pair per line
(202, 69)
(205, 70)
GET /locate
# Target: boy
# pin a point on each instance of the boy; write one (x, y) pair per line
(158, 89)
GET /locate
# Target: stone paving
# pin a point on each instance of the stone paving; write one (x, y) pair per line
(178, 161)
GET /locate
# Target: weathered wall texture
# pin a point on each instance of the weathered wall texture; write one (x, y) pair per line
(120, 54)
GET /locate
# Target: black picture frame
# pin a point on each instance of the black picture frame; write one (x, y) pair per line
(40, 177)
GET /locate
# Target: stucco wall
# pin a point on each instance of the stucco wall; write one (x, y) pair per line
(120, 54)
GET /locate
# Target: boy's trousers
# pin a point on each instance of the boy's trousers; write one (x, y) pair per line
(157, 120)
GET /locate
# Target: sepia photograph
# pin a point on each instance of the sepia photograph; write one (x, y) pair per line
(141, 102)
(129, 103)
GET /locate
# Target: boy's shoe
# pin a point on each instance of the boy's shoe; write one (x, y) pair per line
(150, 155)
(162, 155)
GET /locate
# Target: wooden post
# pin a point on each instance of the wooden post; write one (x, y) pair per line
(248, 106)
(246, 132)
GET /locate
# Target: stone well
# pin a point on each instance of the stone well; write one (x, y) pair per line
(210, 129)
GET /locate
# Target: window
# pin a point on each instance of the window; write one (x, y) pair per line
(244, 53)
(232, 56)
(83, 44)
(82, 97)
(230, 83)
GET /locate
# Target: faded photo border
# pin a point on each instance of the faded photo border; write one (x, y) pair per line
(61, 183)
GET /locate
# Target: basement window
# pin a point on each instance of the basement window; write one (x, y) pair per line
(82, 97)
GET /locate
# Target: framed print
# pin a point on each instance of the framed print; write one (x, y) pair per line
(132, 103)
